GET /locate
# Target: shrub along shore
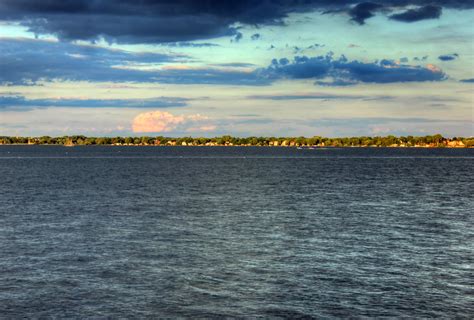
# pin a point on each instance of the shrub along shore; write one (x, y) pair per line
(433, 141)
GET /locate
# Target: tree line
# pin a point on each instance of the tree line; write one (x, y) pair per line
(226, 140)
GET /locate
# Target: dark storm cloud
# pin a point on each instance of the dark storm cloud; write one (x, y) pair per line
(130, 21)
(448, 57)
(26, 62)
(158, 21)
(363, 11)
(8, 102)
(422, 13)
(414, 10)
(341, 71)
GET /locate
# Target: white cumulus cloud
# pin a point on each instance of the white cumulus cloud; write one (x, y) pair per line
(163, 121)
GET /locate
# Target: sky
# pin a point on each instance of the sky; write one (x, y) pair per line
(243, 68)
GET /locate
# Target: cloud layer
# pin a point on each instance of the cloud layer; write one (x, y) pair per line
(8, 102)
(159, 21)
(26, 62)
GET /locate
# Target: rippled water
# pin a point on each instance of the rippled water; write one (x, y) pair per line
(240, 232)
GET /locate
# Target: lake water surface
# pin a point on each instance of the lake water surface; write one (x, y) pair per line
(211, 232)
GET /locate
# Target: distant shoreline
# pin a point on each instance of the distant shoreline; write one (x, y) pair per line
(434, 141)
(238, 146)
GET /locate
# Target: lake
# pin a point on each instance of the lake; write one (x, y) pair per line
(212, 232)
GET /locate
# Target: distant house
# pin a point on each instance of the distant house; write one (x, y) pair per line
(456, 144)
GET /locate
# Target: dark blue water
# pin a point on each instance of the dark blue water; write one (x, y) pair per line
(135, 232)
